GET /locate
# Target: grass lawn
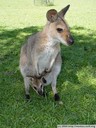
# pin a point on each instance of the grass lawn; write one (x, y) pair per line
(77, 80)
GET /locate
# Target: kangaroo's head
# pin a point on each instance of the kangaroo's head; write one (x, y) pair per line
(38, 85)
(58, 29)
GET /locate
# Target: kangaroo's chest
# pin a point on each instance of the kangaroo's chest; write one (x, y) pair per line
(46, 58)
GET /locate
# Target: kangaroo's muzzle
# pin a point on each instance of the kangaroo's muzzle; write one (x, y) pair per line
(70, 40)
(41, 93)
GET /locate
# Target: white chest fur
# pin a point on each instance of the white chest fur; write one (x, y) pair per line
(47, 58)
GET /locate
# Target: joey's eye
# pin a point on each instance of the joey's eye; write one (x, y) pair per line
(59, 30)
(35, 88)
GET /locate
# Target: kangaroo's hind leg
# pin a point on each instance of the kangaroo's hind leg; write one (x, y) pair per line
(27, 87)
(55, 72)
(27, 81)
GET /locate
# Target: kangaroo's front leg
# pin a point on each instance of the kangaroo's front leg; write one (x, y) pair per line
(52, 60)
(48, 69)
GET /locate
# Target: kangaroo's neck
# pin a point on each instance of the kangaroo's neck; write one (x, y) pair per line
(49, 35)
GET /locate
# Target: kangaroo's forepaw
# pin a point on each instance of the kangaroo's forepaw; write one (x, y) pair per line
(47, 70)
(56, 97)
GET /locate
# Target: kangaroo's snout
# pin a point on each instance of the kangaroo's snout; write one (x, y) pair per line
(41, 93)
(70, 40)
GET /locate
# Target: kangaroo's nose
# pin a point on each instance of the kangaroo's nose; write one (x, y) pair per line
(71, 40)
(41, 93)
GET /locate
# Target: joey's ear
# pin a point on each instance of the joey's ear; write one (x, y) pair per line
(63, 11)
(44, 81)
(52, 15)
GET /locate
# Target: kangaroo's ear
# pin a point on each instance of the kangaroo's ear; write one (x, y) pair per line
(52, 15)
(63, 11)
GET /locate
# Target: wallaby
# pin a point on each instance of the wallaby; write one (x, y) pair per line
(40, 58)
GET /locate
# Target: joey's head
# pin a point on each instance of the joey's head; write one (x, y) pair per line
(38, 85)
(57, 26)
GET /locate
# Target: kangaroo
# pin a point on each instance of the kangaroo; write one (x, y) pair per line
(40, 58)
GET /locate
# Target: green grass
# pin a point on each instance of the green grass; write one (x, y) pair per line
(76, 82)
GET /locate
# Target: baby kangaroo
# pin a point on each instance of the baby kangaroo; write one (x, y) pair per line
(40, 58)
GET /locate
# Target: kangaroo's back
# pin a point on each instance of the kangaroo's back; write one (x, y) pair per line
(26, 49)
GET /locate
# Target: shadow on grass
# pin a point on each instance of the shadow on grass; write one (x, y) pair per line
(11, 41)
(75, 58)
(81, 54)
(76, 83)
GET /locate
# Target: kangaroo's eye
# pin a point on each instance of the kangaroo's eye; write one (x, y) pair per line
(59, 30)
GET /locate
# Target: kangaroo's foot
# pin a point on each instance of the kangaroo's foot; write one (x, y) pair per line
(56, 97)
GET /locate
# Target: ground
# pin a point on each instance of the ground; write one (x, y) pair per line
(77, 80)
